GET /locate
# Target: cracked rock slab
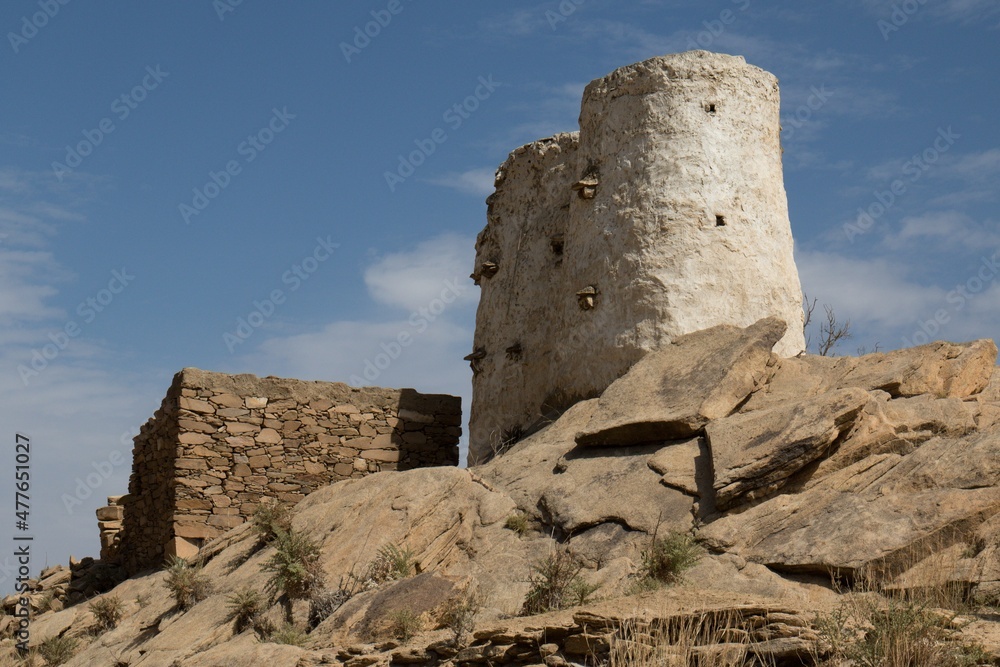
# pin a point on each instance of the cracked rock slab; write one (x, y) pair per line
(882, 509)
(757, 451)
(670, 394)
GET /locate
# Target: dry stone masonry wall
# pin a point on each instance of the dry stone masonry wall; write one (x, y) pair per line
(219, 444)
(664, 215)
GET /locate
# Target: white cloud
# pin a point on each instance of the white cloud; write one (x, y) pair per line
(877, 292)
(421, 349)
(477, 182)
(951, 10)
(75, 409)
(412, 279)
(944, 230)
(430, 361)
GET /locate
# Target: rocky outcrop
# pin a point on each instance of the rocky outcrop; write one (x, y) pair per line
(674, 392)
(756, 452)
(776, 483)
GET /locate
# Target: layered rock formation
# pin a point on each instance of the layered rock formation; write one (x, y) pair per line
(664, 215)
(883, 466)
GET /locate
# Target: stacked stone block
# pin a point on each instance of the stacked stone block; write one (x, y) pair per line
(220, 444)
(109, 522)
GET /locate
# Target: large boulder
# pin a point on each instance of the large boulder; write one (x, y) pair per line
(939, 370)
(899, 426)
(755, 452)
(571, 489)
(670, 394)
(882, 509)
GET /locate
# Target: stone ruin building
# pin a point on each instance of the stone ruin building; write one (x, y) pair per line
(220, 444)
(665, 214)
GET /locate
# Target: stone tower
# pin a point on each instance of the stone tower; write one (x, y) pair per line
(665, 214)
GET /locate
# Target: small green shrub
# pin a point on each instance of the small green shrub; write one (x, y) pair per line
(288, 634)
(108, 611)
(555, 584)
(246, 609)
(871, 631)
(323, 602)
(295, 565)
(391, 564)
(668, 557)
(404, 624)
(186, 583)
(517, 522)
(57, 650)
(580, 592)
(272, 518)
(460, 616)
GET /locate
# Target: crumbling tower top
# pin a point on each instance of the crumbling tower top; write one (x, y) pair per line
(665, 214)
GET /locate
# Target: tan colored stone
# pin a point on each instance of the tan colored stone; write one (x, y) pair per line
(938, 369)
(380, 455)
(195, 531)
(110, 513)
(237, 428)
(195, 405)
(193, 504)
(203, 452)
(755, 452)
(225, 521)
(191, 464)
(344, 469)
(197, 426)
(255, 402)
(282, 488)
(268, 436)
(259, 461)
(194, 438)
(227, 400)
(240, 441)
(181, 548)
(679, 465)
(673, 392)
(241, 470)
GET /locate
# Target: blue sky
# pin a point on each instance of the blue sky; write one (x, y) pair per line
(213, 156)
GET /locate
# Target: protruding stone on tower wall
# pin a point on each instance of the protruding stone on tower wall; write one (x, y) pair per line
(665, 215)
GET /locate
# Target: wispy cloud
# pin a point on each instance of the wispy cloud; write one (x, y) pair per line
(950, 10)
(418, 340)
(945, 230)
(477, 182)
(412, 278)
(75, 408)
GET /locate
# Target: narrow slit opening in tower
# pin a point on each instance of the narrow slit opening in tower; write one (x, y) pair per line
(710, 108)
(556, 243)
(720, 221)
